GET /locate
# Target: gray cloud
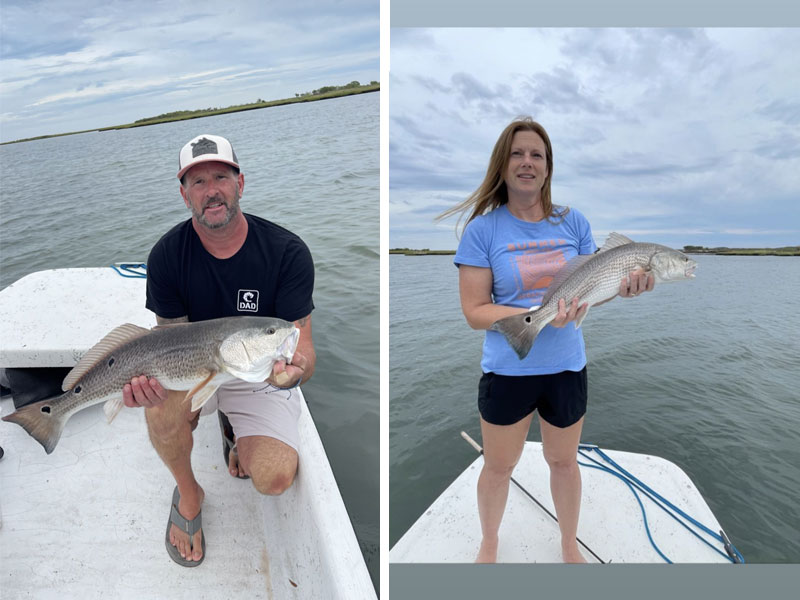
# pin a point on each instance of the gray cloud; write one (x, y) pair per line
(472, 89)
(431, 84)
(783, 110)
(563, 92)
(783, 146)
(676, 134)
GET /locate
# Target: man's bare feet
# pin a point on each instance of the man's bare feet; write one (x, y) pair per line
(487, 552)
(233, 463)
(189, 506)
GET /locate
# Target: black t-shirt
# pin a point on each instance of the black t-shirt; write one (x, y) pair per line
(272, 275)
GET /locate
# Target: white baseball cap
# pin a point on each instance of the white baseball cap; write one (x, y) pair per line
(204, 148)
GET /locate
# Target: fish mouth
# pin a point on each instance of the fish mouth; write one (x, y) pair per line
(289, 345)
(689, 271)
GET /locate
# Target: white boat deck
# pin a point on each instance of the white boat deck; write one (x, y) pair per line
(50, 318)
(89, 519)
(610, 523)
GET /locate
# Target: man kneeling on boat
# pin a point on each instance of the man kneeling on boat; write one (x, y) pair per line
(223, 262)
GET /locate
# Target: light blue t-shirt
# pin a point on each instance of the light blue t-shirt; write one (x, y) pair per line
(524, 257)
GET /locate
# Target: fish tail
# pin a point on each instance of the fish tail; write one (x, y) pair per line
(39, 420)
(520, 331)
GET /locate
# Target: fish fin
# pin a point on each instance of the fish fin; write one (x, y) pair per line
(201, 397)
(520, 331)
(169, 325)
(112, 407)
(40, 422)
(190, 394)
(564, 273)
(614, 240)
(583, 316)
(113, 340)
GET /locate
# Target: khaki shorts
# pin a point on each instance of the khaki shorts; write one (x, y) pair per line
(258, 409)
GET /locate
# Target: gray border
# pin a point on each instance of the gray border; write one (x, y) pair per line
(594, 13)
(482, 582)
(467, 582)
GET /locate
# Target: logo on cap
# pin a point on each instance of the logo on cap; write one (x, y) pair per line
(203, 146)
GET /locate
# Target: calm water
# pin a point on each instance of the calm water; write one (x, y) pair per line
(703, 373)
(98, 198)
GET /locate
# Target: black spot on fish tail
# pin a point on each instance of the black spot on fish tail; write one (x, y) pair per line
(520, 331)
(40, 422)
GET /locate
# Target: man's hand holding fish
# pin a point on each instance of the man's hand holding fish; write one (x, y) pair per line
(143, 392)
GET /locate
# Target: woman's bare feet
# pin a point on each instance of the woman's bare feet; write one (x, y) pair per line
(488, 551)
(571, 553)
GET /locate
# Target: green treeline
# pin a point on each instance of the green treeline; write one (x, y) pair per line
(783, 251)
(325, 92)
(329, 91)
(419, 252)
(334, 88)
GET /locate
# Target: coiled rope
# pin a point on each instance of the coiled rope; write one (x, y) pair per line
(132, 270)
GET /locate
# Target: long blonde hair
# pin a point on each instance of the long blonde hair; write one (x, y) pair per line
(492, 192)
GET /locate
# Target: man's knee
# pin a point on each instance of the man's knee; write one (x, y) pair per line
(270, 463)
(272, 483)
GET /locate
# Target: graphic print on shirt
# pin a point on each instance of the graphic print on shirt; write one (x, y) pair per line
(247, 301)
(534, 264)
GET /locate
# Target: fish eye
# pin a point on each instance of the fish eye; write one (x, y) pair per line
(271, 330)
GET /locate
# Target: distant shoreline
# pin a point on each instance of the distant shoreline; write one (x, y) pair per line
(783, 251)
(424, 252)
(198, 114)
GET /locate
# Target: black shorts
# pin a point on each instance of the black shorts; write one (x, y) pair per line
(507, 399)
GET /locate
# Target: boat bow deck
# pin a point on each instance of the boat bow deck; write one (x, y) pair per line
(610, 524)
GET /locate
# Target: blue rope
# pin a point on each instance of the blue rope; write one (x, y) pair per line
(130, 270)
(642, 486)
(635, 495)
(631, 480)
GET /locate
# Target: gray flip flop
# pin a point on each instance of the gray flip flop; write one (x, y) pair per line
(189, 526)
(228, 445)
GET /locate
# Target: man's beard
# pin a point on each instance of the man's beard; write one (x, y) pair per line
(232, 210)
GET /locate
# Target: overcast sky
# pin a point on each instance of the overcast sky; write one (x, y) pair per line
(676, 136)
(73, 65)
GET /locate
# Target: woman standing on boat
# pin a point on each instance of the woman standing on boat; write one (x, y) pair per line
(514, 242)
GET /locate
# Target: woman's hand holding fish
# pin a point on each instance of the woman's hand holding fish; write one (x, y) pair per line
(637, 282)
(567, 314)
(143, 392)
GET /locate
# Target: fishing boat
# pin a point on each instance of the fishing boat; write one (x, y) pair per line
(89, 519)
(635, 508)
